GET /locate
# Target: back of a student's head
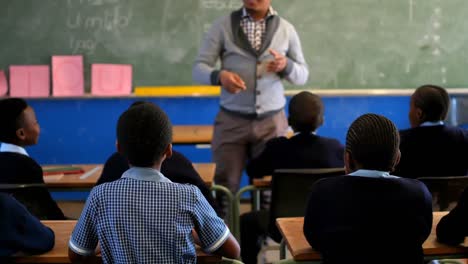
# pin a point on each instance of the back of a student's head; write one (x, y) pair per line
(305, 112)
(429, 103)
(372, 143)
(18, 122)
(144, 134)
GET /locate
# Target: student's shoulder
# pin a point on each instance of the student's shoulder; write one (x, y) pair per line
(20, 161)
(331, 142)
(412, 186)
(277, 141)
(456, 131)
(330, 183)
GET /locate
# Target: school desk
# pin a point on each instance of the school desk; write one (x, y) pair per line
(196, 134)
(201, 134)
(292, 230)
(91, 172)
(59, 254)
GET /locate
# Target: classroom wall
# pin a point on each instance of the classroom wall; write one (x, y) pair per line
(82, 130)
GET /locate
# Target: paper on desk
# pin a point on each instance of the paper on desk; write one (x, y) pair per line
(111, 79)
(67, 75)
(29, 80)
(3, 84)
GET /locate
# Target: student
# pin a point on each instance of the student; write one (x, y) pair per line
(144, 217)
(305, 149)
(453, 228)
(369, 216)
(176, 168)
(21, 231)
(19, 128)
(429, 147)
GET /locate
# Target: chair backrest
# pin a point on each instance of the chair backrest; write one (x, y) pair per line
(289, 191)
(13, 186)
(447, 189)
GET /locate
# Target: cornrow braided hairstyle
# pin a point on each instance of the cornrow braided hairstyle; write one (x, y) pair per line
(373, 142)
(433, 101)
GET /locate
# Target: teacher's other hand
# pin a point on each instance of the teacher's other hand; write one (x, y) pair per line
(232, 82)
(279, 62)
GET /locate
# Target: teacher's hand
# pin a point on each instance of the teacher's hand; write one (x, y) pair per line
(232, 82)
(279, 62)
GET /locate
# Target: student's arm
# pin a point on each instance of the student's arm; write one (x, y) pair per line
(425, 226)
(230, 248)
(312, 223)
(453, 227)
(213, 234)
(263, 164)
(203, 70)
(84, 241)
(296, 70)
(30, 235)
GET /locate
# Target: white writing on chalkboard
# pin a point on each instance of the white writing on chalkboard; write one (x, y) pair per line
(92, 2)
(112, 18)
(219, 5)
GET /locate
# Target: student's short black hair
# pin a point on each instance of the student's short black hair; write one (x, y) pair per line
(433, 101)
(373, 141)
(143, 132)
(11, 118)
(305, 112)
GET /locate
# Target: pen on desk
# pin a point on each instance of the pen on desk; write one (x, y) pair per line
(90, 172)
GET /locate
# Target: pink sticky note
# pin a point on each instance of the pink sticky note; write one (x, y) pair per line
(29, 80)
(3, 84)
(67, 75)
(111, 79)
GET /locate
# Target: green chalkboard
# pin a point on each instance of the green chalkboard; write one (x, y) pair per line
(347, 43)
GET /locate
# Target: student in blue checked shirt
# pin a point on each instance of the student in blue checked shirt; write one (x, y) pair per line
(143, 217)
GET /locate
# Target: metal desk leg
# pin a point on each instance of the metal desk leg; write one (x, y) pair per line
(231, 208)
(282, 249)
(236, 207)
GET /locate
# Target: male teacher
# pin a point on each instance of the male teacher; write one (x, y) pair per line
(257, 49)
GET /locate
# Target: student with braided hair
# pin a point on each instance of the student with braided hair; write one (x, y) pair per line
(430, 147)
(369, 216)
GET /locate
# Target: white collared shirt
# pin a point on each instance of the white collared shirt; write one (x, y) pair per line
(372, 174)
(428, 123)
(13, 148)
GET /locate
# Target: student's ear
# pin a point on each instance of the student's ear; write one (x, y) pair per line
(168, 151)
(20, 134)
(420, 115)
(321, 120)
(349, 163)
(117, 146)
(397, 160)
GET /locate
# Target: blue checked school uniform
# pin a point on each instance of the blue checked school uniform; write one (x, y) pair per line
(145, 218)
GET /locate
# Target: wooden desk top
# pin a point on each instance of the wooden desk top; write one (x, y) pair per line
(291, 229)
(192, 134)
(88, 179)
(59, 254)
(82, 180)
(262, 182)
(206, 171)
